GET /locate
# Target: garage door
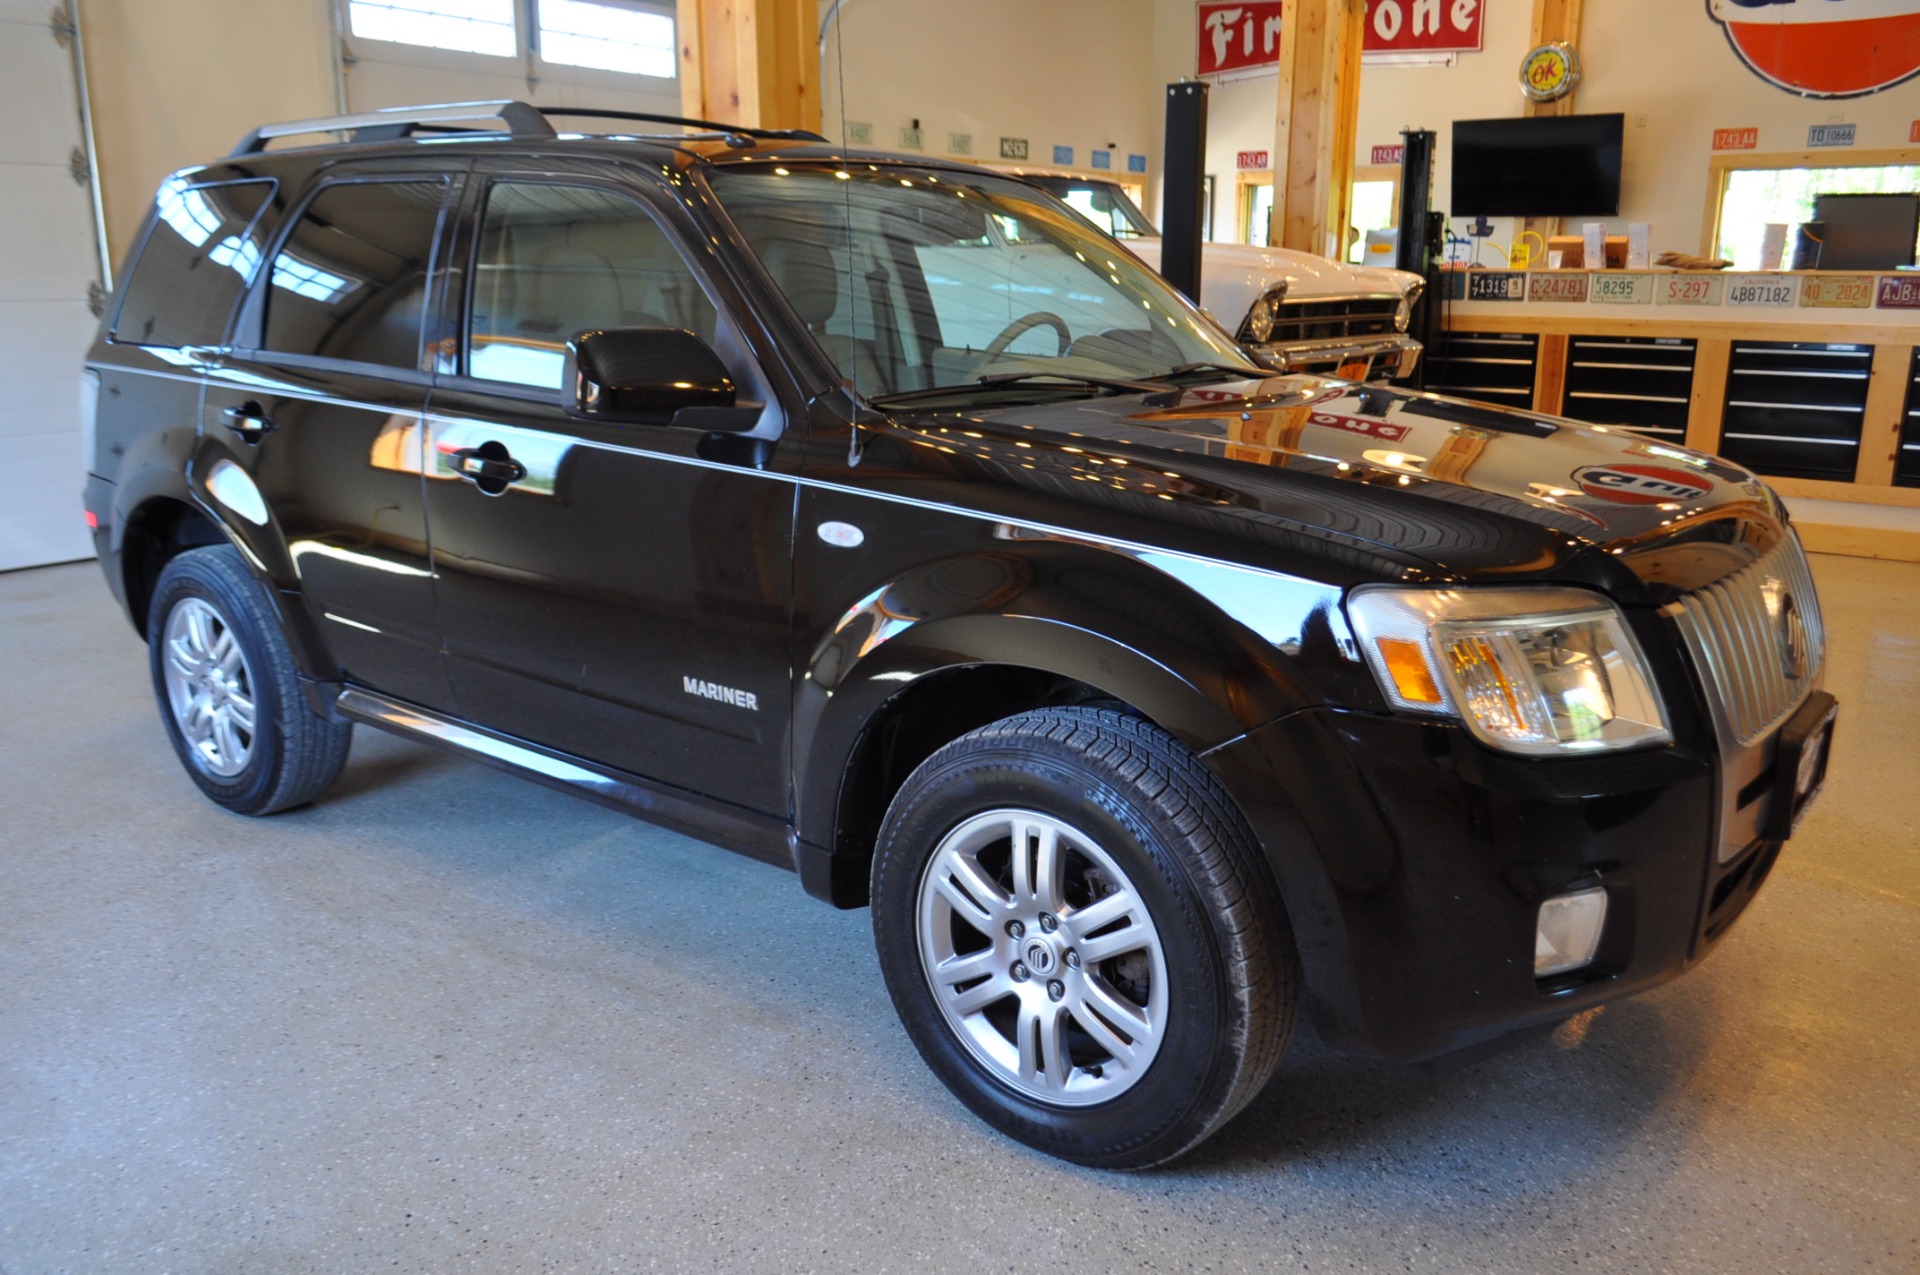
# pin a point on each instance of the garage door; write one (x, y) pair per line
(47, 262)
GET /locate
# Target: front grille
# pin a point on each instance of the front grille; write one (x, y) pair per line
(1334, 319)
(1736, 630)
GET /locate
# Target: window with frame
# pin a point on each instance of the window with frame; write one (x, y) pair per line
(610, 35)
(350, 281)
(200, 254)
(554, 260)
(466, 26)
(1752, 198)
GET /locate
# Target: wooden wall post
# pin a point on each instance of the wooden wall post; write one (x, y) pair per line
(1316, 125)
(750, 62)
(1554, 21)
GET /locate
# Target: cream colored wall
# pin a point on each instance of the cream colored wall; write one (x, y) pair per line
(178, 83)
(1058, 72)
(1663, 63)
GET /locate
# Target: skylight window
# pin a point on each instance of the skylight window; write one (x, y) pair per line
(469, 26)
(612, 37)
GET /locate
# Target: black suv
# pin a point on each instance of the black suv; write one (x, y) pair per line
(877, 517)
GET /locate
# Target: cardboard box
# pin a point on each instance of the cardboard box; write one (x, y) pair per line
(1572, 250)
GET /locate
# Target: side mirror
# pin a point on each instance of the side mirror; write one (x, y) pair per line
(651, 376)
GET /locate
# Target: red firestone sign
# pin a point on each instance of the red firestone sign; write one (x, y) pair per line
(1246, 36)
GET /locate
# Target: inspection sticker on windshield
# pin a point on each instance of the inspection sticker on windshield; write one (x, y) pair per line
(1640, 484)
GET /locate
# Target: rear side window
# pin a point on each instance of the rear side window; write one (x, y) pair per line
(350, 281)
(200, 253)
(556, 259)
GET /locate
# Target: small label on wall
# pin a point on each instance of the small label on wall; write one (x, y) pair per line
(1063, 154)
(1101, 159)
(1899, 292)
(1690, 290)
(910, 139)
(859, 134)
(1247, 160)
(1389, 154)
(1136, 163)
(960, 143)
(1013, 148)
(1838, 292)
(1623, 289)
(1766, 292)
(1831, 134)
(1913, 134)
(1736, 139)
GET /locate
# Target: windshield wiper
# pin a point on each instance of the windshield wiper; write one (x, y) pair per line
(1007, 380)
(1228, 369)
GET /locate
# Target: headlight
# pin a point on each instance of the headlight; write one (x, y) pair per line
(1547, 671)
(1259, 324)
(1403, 317)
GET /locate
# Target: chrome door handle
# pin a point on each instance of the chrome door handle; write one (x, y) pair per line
(249, 422)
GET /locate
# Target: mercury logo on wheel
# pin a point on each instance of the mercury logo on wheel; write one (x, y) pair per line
(1640, 484)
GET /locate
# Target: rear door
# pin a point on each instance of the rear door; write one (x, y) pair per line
(627, 601)
(320, 405)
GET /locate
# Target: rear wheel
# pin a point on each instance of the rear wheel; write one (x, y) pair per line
(1078, 936)
(229, 693)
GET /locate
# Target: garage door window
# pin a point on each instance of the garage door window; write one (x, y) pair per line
(350, 283)
(199, 255)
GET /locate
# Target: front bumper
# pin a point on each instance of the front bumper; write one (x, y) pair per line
(1413, 862)
(1390, 356)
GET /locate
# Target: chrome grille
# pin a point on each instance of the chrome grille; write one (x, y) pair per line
(1332, 319)
(1735, 629)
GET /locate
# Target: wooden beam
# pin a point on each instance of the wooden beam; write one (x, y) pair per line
(1316, 123)
(1886, 412)
(749, 62)
(1712, 359)
(1550, 374)
(1554, 21)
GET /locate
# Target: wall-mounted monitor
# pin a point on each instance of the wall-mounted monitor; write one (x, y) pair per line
(1547, 166)
(1867, 232)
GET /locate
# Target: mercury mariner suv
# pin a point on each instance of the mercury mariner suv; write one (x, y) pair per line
(874, 516)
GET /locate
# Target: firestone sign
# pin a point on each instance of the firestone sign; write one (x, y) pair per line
(1824, 48)
(1246, 36)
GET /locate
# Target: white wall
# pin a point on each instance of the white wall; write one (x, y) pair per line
(1076, 73)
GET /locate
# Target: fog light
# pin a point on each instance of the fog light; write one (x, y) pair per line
(1569, 931)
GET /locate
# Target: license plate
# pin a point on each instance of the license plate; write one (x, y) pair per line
(1800, 764)
(1353, 370)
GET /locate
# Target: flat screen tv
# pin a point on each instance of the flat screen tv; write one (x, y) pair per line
(1547, 166)
(1867, 232)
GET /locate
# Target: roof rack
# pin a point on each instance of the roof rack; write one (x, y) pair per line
(522, 120)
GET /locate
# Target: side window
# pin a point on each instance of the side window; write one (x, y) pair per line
(350, 282)
(199, 256)
(556, 259)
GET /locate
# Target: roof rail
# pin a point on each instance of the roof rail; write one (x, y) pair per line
(522, 120)
(397, 122)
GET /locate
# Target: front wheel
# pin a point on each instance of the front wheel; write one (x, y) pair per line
(228, 690)
(1079, 937)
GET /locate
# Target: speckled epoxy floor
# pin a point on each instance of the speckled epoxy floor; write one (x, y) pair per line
(448, 1021)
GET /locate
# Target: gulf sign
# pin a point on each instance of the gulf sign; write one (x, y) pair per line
(1640, 484)
(1824, 48)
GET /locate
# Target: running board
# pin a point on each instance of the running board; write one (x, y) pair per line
(746, 832)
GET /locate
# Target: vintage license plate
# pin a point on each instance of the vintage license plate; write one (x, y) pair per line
(1838, 292)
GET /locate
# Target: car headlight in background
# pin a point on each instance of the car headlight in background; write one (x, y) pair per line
(1544, 672)
(1259, 324)
(1403, 317)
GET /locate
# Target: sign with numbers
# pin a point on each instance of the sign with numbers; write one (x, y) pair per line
(1764, 291)
(1063, 154)
(1496, 285)
(960, 143)
(1736, 139)
(1623, 289)
(1831, 134)
(1247, 161)
(1557, 285)
(1013, 148)
(1389, 154)
(1837, 291)
(1101, 159)
(1689, 289)
(1136, 163)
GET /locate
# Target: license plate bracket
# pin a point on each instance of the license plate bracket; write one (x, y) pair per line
(1800, 760)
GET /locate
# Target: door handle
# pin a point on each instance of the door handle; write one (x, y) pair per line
(490, 467)
(249, 421)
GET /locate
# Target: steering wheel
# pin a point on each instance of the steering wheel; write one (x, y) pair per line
(1025, 324)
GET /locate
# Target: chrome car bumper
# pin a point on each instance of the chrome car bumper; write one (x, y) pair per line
(1390, 356)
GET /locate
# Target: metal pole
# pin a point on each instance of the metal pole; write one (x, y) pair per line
(78, 47)
(1185, 186)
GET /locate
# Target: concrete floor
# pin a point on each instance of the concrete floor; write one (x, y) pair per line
(448, 1020)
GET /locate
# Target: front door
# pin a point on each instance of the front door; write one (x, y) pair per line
(626, 599)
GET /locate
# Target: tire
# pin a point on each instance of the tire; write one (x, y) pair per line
(228, 690)
(1119, 1008)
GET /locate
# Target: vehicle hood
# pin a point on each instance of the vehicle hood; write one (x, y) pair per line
(1239, 270)
(1422, 486)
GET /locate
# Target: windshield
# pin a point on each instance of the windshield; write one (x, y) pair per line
(1102, 203)
(912, 281)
